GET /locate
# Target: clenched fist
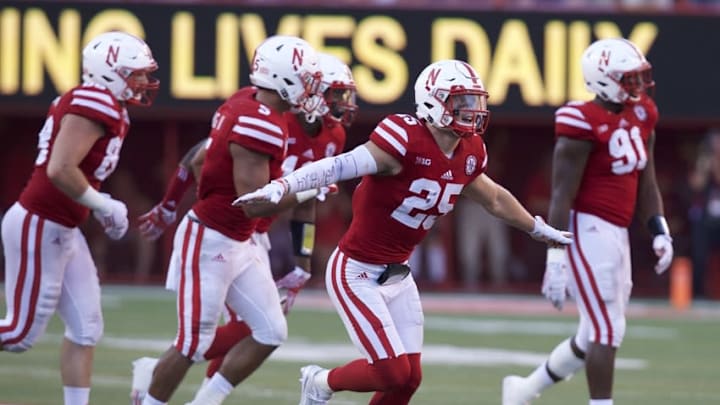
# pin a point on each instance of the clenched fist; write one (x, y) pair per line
(113, 217)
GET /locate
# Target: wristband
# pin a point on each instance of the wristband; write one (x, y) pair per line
(658, 225)
(306, 195)
(92, 199)
(303, 238)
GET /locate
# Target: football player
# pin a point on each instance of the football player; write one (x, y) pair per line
(214, 262)
(603, 167)
(309, 139)
(47, 261)
(413, 169)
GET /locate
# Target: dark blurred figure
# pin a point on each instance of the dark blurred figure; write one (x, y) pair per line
(704, 213)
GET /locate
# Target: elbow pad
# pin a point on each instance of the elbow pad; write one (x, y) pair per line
(349, 165)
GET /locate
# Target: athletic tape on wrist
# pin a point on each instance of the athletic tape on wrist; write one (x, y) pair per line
(92, 199)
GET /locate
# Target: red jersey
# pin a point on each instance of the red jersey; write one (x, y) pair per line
(95, 103)
(392, 214)
(244, 121)
(303, 149)
(610, 180)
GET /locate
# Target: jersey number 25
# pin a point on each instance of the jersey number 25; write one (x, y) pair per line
(428, 194)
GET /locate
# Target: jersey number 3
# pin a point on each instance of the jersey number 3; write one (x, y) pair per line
(628, 149)
(427, 195)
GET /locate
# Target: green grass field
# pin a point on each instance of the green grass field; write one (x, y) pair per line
(665, 360)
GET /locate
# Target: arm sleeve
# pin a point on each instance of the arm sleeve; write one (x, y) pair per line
(349, 165)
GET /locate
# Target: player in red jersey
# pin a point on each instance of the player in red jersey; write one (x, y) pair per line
(309, 139)
(603, 168)
(47, 261)
(413, 169)
(214, 262)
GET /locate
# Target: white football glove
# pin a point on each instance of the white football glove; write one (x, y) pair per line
(662, 245)
(546, 233)
(271, 192)
(292, 283)
(154, 222)
(113, 217)
(554, 286)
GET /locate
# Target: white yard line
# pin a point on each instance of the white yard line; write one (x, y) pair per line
(294, 351)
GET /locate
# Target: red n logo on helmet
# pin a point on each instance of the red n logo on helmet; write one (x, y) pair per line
(604, 58)
(297, 58)
(112, 55)
(432, 78)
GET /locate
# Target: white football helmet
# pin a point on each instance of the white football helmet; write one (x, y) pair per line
(450, 94)
(616, 70)
(290, 66)
(338, 87)
(111, 60)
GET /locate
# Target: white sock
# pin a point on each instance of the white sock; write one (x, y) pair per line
(149, 400)
(214, 392)
(76, 395)
(562, 363)
(321, 379)
(601, 401)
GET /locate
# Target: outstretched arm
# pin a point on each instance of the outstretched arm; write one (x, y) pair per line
(366, 159)
(499, 202)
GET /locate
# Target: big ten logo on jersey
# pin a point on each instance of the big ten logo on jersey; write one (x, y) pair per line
(423, 161)
(427, 194)
(628, 149)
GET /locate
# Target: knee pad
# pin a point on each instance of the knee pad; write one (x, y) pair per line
(614, 335)
(87, 334)
(272, 333)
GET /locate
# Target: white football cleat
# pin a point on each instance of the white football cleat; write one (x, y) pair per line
(516, 392)
(311, 393)
(141, 378)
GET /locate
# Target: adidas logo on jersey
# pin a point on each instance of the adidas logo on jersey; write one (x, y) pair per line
(447, 175)
(219, 258)
(309, 154)
(363, 276)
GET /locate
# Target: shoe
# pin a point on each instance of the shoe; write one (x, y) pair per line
(141, 378)
(311, 393)
(515, 391)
